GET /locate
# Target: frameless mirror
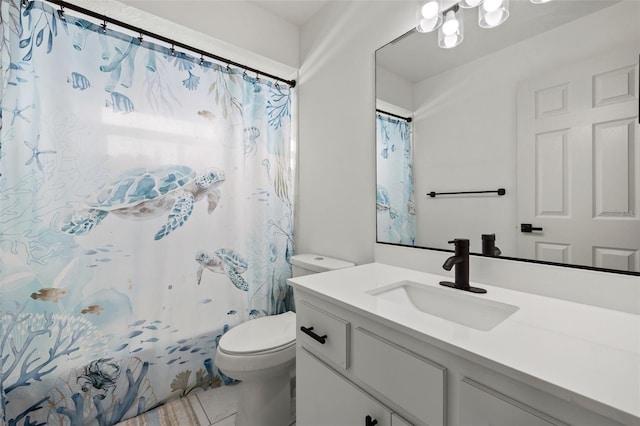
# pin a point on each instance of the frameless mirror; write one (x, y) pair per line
(524, 138)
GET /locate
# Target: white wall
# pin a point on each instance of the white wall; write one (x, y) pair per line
(336, 207)
(467, 140)
(336, 191)
(393, 89)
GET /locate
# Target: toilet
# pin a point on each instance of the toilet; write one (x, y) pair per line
(262, 354)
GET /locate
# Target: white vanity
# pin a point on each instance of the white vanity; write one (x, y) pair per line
(376, 351)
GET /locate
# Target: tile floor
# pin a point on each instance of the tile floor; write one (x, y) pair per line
(217, 407)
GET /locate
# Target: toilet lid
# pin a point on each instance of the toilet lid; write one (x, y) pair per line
(260, 335)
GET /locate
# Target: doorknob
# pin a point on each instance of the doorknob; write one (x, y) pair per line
(527, 227)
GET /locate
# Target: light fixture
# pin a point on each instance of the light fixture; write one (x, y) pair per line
(451, 32)
(492, 13)
(429, 16)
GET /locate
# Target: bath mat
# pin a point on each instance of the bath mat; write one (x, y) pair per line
(175, 413)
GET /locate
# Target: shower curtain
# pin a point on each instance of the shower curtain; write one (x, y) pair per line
(145, 210)
(396, 220)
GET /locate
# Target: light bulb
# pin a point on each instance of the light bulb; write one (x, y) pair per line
(427, 25)
(451, 41)
(494, 18)
(451, 24)
(430, 10)
(491, 5)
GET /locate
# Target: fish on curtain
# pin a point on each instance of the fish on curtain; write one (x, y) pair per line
(395, 204)
(145, 210)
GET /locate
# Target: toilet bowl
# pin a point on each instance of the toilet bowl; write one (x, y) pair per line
(261, 353)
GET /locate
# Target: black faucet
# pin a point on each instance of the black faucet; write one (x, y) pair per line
(461, 261)
(489, 245)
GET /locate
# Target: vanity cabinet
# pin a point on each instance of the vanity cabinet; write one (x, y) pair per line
(362, 366)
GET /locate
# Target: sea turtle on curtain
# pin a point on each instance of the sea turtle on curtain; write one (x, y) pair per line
(141, 194)
(224, 261)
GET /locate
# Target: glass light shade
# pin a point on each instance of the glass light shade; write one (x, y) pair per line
(430, 9)
(472, 3)
(539, 1)
(451, 24)
(493, 13)
(428, 16)
(451, 32)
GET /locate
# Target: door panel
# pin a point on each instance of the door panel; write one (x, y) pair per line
(579, 164)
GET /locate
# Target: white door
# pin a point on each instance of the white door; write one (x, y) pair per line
(579, 164)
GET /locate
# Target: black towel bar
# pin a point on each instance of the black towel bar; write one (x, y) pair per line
(499, 191)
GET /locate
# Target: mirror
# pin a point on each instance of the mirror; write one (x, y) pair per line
(540, 112)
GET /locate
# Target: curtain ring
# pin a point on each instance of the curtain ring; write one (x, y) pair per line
(104, 26)
(61, 12)
(257, 77)
(229, 68)
(25, 3)
(140, 38)
(172, 50)
(201, 59)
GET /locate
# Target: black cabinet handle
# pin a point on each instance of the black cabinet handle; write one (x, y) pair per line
(370, 422)
(314, 336)
(527, 227)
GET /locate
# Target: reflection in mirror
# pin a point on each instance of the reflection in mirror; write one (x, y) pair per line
(396, 215)
(544, 106)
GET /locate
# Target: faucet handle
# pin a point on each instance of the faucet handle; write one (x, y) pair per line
(459, 241)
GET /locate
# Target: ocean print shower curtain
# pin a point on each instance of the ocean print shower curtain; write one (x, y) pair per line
(396, 220)
(145, 209)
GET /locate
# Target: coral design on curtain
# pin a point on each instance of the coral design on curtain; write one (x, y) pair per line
(396, 220)
(145, 209)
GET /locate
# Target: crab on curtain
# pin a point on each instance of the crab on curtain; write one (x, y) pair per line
(145, 209)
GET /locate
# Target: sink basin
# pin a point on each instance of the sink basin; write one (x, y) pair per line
(450, 304)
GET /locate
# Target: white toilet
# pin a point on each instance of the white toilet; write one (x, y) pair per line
(262, 352)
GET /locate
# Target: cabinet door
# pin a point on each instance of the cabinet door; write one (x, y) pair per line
(482, 406)
(413, 382)
(325, 398)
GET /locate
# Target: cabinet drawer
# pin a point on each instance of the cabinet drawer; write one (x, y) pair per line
(409, 380)
(482, 406)
(324, 398)
(332, 332)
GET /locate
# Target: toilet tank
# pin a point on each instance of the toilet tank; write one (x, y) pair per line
(305, 264)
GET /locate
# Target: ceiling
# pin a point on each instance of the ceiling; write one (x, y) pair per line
(297, 12)
(416, 56)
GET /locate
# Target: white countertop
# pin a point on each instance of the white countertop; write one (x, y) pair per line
(584, 354)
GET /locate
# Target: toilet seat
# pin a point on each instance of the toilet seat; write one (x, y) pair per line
(260, 336)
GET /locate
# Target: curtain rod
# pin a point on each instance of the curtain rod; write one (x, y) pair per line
(63, 4)
(407, 119)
